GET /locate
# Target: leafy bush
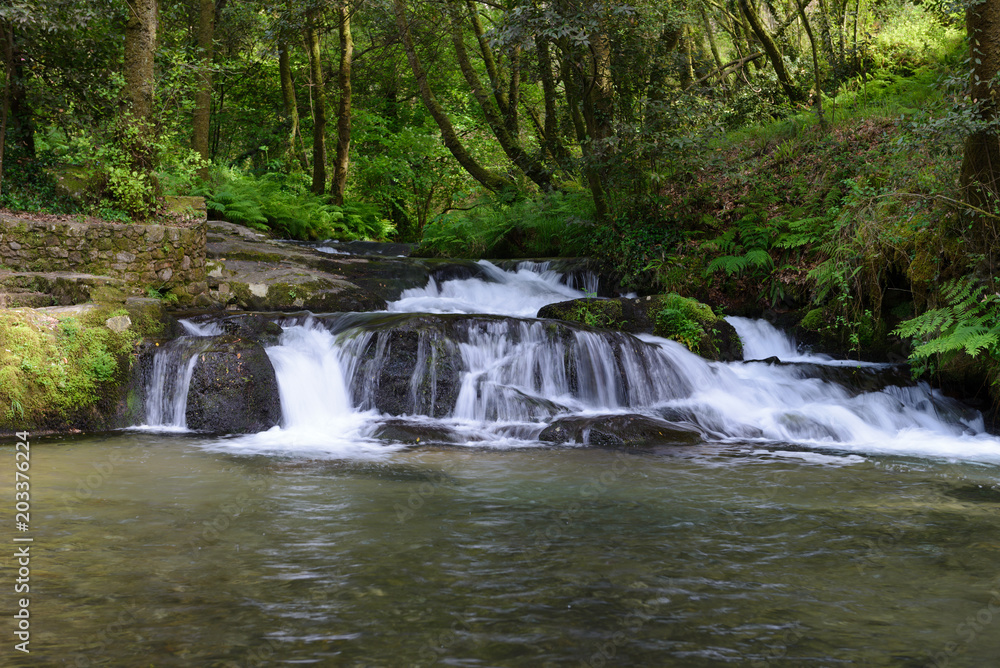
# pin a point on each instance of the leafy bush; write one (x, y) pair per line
(283, 205)
(554, 224)
(969, 323)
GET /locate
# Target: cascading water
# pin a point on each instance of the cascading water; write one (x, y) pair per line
(169, 380)
(518, 293)
(500, 381)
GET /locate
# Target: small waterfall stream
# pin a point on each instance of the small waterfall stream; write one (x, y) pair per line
(501, 381)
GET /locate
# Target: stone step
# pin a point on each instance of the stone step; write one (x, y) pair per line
(25, 288)
(25, 299)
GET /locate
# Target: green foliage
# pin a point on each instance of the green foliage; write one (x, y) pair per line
(684, 320)
(283, 205)
(50, 370)
(556, 223)
(745, 247)
(969, 322)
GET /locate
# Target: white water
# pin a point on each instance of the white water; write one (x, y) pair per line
(517, 376)
(169, 380)
(518, 293)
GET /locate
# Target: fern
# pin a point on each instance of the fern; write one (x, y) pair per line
(970, 323)
(803, 232)
(750, 252)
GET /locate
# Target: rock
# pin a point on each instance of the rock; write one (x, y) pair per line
(119, 323)
(417, 433)
(234, 389)
(618, 431)
(670, 316)
(295, 292)
(410, 367)
(252, 327)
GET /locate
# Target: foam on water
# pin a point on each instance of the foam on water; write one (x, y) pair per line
(518, 293)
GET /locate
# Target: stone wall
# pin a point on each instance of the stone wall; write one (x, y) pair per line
(143, 256)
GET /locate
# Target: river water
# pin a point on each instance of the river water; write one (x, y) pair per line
(814, 523)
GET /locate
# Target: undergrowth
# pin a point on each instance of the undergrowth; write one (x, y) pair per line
(553, 224)
(283, 205)
(50, 370)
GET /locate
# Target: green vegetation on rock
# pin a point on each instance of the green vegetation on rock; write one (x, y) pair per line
(56, 367)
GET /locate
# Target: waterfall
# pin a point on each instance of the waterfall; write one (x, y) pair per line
(762, 340)
(500, 380)
(169, 380)
(518, 293)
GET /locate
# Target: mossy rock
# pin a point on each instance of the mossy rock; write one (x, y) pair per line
(233, 389)
(186, 207)
(671, 316)
(319, 295)
(65, 369)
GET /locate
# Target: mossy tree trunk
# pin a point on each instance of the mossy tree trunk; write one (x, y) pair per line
(771, 49)
(140, 47)
(296, 147)
(981, 162)
(342, 161)
(492, 111)
(319, 102)
(203, 96)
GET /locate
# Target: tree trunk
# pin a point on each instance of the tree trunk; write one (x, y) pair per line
(514, 93)
(815, 55)
(319, 103)
(340, 165)
(723, 77)
(8, 62)
(20, 116)
(296, 147)
(553, 140)
(981, 163)
(771, 49)
(488, 179)
(140, 48)
(491, 64)
(203, 96)
(511, 147)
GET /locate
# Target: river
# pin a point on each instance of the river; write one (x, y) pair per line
(815, 521)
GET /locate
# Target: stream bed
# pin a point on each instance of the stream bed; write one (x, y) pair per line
(809, 521)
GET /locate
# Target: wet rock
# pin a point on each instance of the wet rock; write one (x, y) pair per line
(233, 389)
(417, 433)
(409, 366)
(252, 327)
(617, 431)
(296, 291)
(670, 316)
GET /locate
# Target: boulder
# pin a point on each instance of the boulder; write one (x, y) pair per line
(617, 431)
(670, 316)
(234, 389)
(252, 327)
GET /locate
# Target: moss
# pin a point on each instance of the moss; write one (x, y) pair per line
(692, 324)
(56, 370)
(814, 320)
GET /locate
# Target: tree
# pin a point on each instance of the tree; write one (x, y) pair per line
(140, 49)
(489, 179)
(209, 11)
(341, 162)
(771, 49)
(980, 176)
(319, 101)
